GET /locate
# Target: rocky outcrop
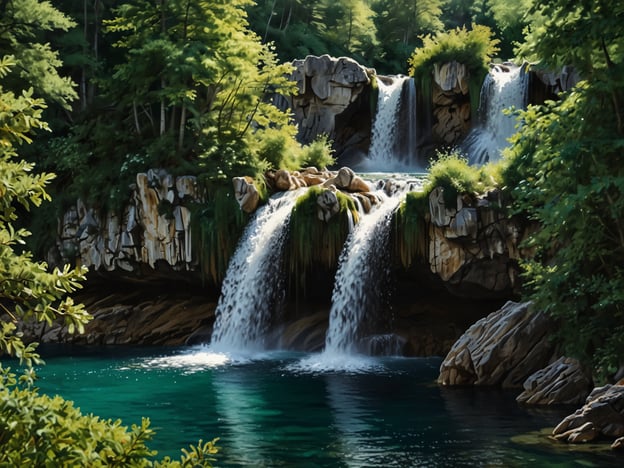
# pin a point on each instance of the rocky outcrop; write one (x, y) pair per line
(451, 103)
(473, 246)
(564, 382)
(332, 100)
(154, 228)
(503, 349)
(602, 416)
(135, 314)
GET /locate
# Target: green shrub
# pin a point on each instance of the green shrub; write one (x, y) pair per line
(39, 430)
(317, 154)
(452, 172)
(474, 48)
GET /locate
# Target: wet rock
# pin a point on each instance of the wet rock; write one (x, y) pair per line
(564, 382)
(503, 349)
(601, 416)
(327, 203)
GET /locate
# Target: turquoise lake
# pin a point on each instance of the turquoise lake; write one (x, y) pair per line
(294, 410)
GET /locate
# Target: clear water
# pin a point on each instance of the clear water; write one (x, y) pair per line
(274, 410)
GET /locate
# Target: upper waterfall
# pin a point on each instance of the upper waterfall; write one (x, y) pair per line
(505, 87)
(394, 131)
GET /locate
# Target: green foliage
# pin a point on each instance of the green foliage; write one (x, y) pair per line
(587, 35)
(317, 154)
(315, 243)
(401, 25)
(23, 24)
(566, 170)
(37, 430)
(474, 48)
(453, 173)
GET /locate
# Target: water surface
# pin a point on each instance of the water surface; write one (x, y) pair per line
(296, 410)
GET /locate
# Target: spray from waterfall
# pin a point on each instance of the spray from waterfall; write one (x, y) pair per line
(252, 288)
(504, 87)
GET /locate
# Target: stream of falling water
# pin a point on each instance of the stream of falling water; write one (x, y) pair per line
(381, 154)
(503, 88)
(252, 290)
(359, 287)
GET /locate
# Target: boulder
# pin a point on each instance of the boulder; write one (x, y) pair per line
(601, 416)
(564, 382)
(246, 193)
(347, 180)
(284, 180)
(503, 349)
(327, 204)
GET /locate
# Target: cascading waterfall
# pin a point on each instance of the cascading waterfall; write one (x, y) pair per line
(381, 154)
(252, 289)
(359, 287)
(504, 87)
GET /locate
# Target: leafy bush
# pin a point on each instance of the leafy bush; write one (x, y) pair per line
(566, 172)
(39, 430)
(452, 172)
(474, 48)
(317, 154)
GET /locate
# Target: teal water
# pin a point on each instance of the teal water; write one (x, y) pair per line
(288, 410)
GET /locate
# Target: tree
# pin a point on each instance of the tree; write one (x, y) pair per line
(35, 429)
(568, 175)
(400, 25)
(23, 24)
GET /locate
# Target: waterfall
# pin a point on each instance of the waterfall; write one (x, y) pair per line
(252, 288)
(385, 132)
(363, 273)
(504, 87)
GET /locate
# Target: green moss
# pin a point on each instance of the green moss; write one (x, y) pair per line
(315, 243)
(410, 228)
(217, 225)
(374, 94)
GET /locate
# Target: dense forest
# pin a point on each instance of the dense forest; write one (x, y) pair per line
(97, 91)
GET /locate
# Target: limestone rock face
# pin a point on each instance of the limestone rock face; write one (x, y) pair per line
(601, 416)
(503, 349)
(451, 103)
(472, 246)
(564, 382)
(331, 90)
(154, 227)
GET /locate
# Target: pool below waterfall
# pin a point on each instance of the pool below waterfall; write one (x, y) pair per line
(303, 410)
